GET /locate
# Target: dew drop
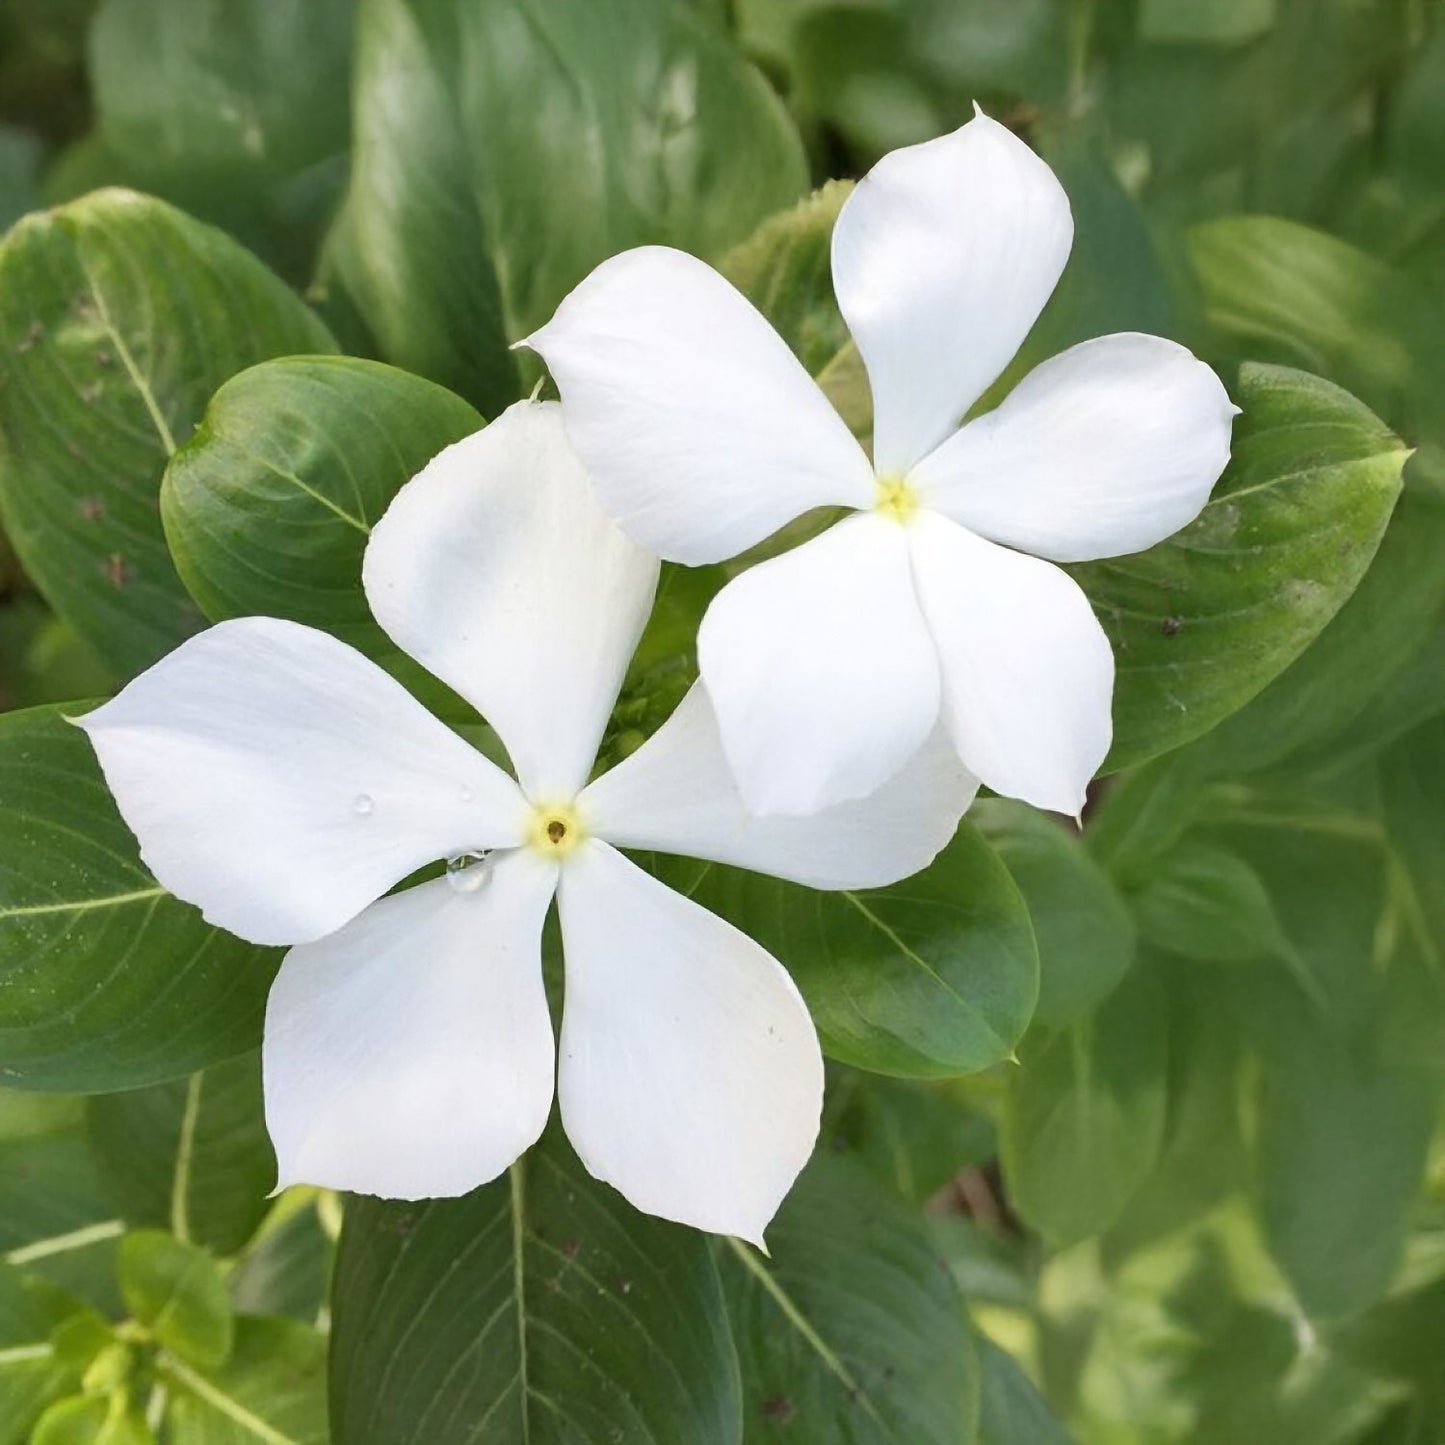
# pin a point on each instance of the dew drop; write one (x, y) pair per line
(362, 805)
(466, 872)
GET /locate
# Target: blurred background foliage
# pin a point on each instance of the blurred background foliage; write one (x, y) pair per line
(1206, 1200)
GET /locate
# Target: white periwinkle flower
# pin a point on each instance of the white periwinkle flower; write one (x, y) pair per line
(282, 782)
(829, 666)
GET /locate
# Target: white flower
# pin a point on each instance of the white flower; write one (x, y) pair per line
(282, 782)
(829, 666)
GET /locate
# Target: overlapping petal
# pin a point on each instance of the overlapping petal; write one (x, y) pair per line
(1102, 450)
(690, 1075)
(677, 794)
(1028, 673)
(820, 669)
(495, 569)
(943, 258)
(701, 431)
(281, 781)
(410, 1055)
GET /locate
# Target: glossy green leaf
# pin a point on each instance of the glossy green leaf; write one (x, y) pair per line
(106, 980)
(1201, 622)
(269, 506)
(1084, 932)
(1083, 1118)
(238, 112)
(178, 1293)
(1281, 291)
(1206, 902)
(851, 1333)
(541, 1307)
(191, 1156)
(936, 975)
(478, 124)
(271, 1389)
(119, 316)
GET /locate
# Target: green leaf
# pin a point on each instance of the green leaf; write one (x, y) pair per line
(1084, 1116)
(271, 1389)
(852, 1331)
(30, 1374)
(1209, 22)
(1011, 1411)
(1205, 902)
(1084, 933)
(177, 1292)
(933, 976)
(785, 269)
(1346, 1094)
(1379, 635)
(269, 506)
(86, 1420)
(191, 1156)
(229, 111)
(1201, 622)
(19, 158)
(106, 980)
(477, 126)
(1413, 778)
(287, 1268)
(909, 1134)
(541, 1307)
(119, 316)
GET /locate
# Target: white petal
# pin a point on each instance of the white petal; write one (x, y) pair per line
(281, 781)
(943, 258)
(410, 1055)
(690, 1076)
(1105, 449)
(820, 669)
(495, 569)
(676, 794)
(702, 432)
(1028, 674)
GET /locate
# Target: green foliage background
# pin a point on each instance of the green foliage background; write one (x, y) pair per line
(1133, 1135)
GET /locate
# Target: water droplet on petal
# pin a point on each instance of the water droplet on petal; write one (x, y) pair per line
(362, 805)
(466, 872)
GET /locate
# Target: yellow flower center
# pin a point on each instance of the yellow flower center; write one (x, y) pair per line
(555, 829)
(896, 499)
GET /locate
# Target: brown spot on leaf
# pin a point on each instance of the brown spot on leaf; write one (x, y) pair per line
(92, 508)
(118, 572)
(32, 337)
(779, 1409)
(1171, 625)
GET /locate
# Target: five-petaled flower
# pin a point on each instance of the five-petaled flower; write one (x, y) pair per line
(829, 666)
(281, 781)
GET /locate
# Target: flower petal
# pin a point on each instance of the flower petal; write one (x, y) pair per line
(281, 781)
(943, 258)
(676, 793)
(690, 1076)
(410, 1055)
(820, 669)
(1028, 674)
(1105, 449)
(701, 431)
(495, 569)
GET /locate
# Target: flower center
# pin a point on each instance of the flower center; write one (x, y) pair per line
(555, 829)
(896, 499)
